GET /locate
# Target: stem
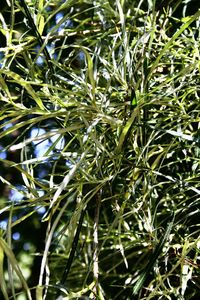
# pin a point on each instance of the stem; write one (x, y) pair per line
(96, 244)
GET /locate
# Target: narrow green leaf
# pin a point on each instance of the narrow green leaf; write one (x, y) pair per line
(126, 129)
(11, 257)
(152, 260)
(2, 280)
(24, 84)
(171, 41)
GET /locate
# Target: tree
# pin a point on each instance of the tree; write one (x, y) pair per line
(99, 150)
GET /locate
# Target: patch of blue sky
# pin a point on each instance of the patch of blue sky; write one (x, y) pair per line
(43, 172)
(35, 132)
(50, 49)
(59, 141)
(3, 153)
(27, 246)
(2, 54)
(3, 224)
(81, 55)
(16, 236)
(7, 126)
(40, 193)
(41, 210)
(65, 24)
(1, 57)
(69, 164)
(15, 195)
(41, 146)
(59, 17)
(40, 60)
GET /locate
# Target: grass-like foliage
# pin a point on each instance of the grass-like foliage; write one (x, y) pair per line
(99, 150)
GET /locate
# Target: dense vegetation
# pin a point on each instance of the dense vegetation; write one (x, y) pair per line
(99, 149)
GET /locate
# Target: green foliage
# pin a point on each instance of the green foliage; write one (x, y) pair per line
(113, 89)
